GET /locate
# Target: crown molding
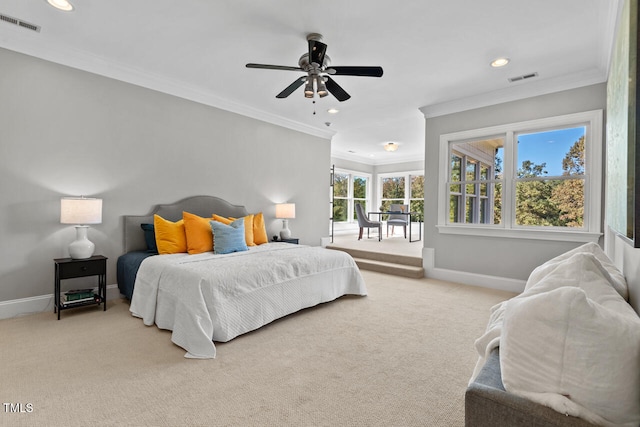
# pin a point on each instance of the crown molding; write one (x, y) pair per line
(98, 65)
(517, 91)
(372, 161)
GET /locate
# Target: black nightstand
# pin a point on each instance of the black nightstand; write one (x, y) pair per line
(68, 268)
(294, 241)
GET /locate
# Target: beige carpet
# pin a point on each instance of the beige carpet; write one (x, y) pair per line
(401, 356)
(392, 245)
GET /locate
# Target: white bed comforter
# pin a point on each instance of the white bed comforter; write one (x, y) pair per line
(204, 298)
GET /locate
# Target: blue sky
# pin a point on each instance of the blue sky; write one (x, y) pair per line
(548, 147)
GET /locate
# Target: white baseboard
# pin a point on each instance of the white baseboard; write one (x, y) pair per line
(466, 278)
(39, 304)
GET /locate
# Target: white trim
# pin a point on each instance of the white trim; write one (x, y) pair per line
(465, 278)
(375, 161)
(40, 304)
(517, 91)
(472, 279)
(520, 233)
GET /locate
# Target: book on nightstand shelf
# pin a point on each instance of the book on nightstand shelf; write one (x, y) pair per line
(64, 301)
(78, 296)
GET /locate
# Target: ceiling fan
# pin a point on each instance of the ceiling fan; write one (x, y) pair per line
(317, 64)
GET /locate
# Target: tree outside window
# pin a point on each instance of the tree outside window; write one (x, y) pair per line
(416, 199)
(392, 192)
(405, 189)
(340, 197)
(359, 193)
(550, 186)
(349, 189)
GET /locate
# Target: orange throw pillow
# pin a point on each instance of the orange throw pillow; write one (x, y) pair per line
(221, 219)
(259, 229)
(170, 236)
(248, 229)
(198, 232)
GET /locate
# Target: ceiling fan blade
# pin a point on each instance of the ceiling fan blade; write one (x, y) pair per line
(355, 71)
(274, 67)
(317, 50)
(292, 87)
(335, 90)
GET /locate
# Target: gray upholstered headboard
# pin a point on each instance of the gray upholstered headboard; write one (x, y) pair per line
(203, 206)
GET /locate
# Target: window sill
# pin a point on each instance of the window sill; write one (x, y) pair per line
(557, 235)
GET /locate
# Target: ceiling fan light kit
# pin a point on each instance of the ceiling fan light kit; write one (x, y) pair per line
(317, 64)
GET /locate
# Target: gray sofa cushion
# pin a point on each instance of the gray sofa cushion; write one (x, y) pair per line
(488, 404)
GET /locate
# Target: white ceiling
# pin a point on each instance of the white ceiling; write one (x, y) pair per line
(435, 54)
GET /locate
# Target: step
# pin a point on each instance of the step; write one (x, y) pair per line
(380, 256)
(390, 268)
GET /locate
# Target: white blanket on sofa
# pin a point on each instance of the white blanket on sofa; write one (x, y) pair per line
(206, 297)
(491, 338)
(570, 341)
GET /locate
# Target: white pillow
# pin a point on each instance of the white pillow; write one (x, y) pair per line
(582, 270)
(563, 350)
(613, 274)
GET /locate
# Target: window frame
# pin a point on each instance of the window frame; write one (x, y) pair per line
(350, 196)
(407, 186)
(592, 229)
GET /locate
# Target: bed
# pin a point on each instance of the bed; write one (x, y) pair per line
(209, 297)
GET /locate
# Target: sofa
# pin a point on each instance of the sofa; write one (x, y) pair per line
(565, 352)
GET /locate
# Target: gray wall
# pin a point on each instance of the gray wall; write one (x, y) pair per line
(66, 132)
(417, 165)
(351, 165)
(493, 256)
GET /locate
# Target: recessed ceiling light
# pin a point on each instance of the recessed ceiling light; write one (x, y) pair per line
(333, 111)
(499, 62)
(63, 5)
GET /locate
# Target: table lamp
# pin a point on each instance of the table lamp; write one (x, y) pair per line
(285, 211)
(81, 211)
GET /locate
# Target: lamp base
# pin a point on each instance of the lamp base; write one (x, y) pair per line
(285, 233)
(82, 247)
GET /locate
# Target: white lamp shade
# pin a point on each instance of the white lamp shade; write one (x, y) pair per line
(80, 210)
(286, 210)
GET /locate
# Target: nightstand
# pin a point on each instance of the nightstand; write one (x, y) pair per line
(68, 268)
(294, 241)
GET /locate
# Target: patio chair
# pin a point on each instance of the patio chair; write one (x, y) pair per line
(398, 219)
(363, 222)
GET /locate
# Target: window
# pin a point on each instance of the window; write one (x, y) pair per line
(340, 197)
(405, 188)
(416, 196)
(530, 179)
(393, 190)
(475, 182)
(359, 193)
(349, 189)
